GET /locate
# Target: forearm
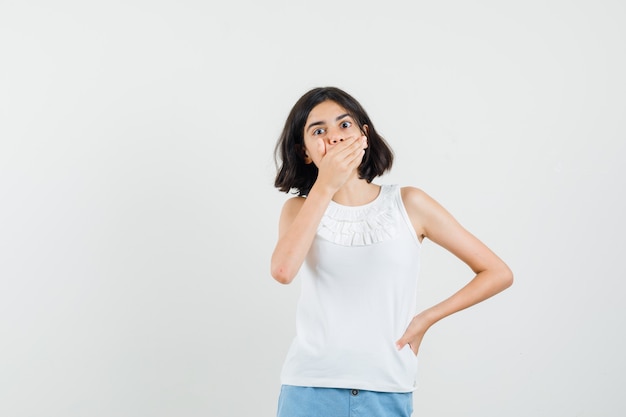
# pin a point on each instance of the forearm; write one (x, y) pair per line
(295, 241)
(484, 285)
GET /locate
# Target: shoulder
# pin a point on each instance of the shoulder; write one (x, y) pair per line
(418, 201)
(294, 201)
(292, 206)
(424, 211)
(414, 198)
(290, 210)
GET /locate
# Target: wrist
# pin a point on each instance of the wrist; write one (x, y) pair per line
(430, 316)
(324, 191)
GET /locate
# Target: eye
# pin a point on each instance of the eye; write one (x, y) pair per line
(318, 131)
(346, 124)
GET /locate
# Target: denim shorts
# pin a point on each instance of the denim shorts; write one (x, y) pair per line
(338, 402)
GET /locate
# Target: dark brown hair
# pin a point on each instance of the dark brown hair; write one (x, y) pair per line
(293, 173)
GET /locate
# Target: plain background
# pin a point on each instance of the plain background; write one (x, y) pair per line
(138, 215)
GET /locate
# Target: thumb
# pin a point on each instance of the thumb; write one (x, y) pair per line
(401, 343)
(321, 147)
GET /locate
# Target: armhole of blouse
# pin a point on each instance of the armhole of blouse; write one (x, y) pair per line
(405, 216)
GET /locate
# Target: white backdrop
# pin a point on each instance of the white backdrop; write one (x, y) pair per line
(137, 212)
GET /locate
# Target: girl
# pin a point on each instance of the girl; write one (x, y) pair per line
(356, 247)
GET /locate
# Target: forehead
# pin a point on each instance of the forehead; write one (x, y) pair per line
(325, 111)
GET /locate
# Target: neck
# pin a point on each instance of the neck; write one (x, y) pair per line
(356, 192)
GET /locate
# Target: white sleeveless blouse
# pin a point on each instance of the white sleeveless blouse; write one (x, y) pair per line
(359, 285)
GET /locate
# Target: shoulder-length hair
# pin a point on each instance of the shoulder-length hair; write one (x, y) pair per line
(292, 171)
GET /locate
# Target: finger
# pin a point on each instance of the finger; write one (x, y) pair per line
(321, 147)
(342, 152)
(401, 343)
(357, 155)
(358, 158)
(336, 149)
(350, 148)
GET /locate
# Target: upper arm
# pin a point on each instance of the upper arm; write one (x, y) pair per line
(290, 210)
(434, 222)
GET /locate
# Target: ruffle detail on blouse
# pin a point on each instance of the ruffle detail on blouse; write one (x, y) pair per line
(361, 226)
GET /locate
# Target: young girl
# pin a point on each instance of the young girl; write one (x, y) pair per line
(355, 246)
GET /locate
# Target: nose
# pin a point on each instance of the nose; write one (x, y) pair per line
(335, 137)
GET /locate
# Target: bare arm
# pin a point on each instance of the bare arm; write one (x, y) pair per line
(296, 229)
(300, 217)
(432, 221)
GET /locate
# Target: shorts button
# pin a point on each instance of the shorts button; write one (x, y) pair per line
(355, 392)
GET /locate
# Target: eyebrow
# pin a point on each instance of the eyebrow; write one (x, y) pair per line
(321, 123)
